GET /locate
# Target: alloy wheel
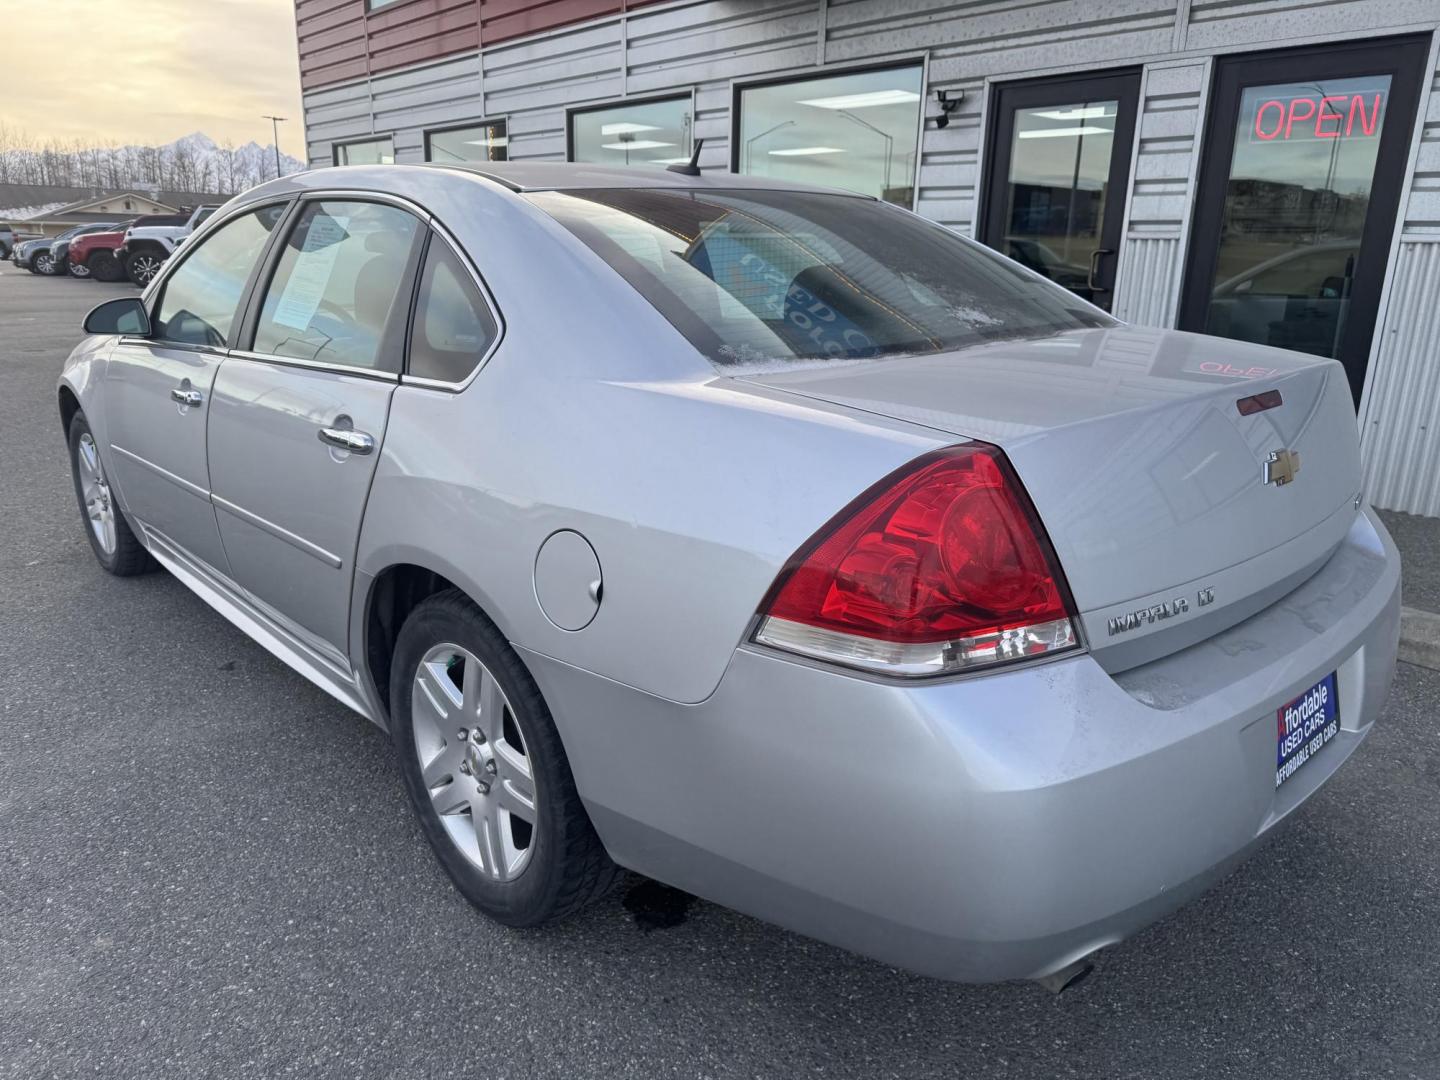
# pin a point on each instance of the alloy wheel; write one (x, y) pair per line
(78, 270)
(473, 761)
(96, 492)
(144, 268)
(44, 264)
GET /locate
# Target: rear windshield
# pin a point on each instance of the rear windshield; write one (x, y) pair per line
(766, 277)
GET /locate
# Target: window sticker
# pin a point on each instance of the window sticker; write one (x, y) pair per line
(301, 297)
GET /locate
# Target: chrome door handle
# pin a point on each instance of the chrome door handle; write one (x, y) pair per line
(357, 442)
(186, 397)
(1095, 256)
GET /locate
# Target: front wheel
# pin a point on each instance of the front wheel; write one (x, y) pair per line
(105, 267)
(115, 545)
(79, 270)
(43, 264)
(485, 769)
(141, 266)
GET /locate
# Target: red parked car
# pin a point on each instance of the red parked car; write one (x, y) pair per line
(93, 255)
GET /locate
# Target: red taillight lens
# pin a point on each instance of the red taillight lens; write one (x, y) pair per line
(943, 567)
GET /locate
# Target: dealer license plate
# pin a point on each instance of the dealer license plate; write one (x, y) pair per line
(1305, 725)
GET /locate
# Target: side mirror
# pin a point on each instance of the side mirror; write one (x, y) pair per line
(125, 315)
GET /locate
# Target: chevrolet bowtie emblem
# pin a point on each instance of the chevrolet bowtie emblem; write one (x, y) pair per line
(1281, 467)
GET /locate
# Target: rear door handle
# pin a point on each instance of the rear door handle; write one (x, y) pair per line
(186, 397)
(356, 442)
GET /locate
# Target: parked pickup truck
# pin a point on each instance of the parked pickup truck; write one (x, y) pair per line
(151, 240)
(92, 255)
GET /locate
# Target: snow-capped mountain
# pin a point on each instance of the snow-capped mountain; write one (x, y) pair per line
(251, 160)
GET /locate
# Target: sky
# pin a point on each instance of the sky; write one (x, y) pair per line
(149, 71)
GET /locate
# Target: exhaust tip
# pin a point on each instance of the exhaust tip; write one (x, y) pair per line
(1072, 974)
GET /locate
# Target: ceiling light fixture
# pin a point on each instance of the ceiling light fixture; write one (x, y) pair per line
(638, 144)
(1085, 112)
(1055, 133)
(624, 127)
(807, 151)
(863, 101)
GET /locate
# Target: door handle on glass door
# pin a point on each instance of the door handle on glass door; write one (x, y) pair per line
(356, 442)
(1090, 282)
(184, 396)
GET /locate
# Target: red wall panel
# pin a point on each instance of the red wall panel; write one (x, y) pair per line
(340, 39)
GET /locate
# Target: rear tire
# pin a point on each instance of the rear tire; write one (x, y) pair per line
(142, 266)
(450, 735)
(105, 267)
(116, 547)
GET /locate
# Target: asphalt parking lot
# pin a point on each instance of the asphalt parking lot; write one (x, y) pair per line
(208, 868)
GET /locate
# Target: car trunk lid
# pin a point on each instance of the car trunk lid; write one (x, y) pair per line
(1170, 519)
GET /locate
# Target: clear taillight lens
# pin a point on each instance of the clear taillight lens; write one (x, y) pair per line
(942, 567)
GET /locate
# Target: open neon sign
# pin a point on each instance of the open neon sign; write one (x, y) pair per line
(1316, 116)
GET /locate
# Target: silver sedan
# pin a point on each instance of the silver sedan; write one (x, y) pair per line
(770, 541)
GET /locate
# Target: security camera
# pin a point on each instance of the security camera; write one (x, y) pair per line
(949, 101)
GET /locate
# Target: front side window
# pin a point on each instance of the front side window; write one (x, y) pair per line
(200, 299)
(856, 131)
(481, 142)
(336, 285)
(756, 277)
(453, 327)
(655, 133)
(369, 152)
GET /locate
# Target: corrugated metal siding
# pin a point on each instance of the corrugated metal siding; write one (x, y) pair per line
(1400, 417)
(1162, 180)
(700, 46)
(1400, 438)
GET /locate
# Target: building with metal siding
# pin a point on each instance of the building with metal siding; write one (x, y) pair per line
(410, 68)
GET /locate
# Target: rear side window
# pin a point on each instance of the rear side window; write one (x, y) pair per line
(453, 326)
(336, 285)
(200, 298)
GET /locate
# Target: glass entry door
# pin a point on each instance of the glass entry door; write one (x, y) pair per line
(1059, 166)
(1299, 188)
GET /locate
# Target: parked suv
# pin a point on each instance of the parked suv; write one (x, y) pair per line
(93, 254)
(25, 250)
(151, 240)
(40, 258)
(60, 246)
(15, 241)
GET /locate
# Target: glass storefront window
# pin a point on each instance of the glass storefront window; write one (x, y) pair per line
(1301, 172)
(481, 142)
(859, 131)
(370, 152)
(655, 133)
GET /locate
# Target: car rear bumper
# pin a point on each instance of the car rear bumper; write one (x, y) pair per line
(987, 828)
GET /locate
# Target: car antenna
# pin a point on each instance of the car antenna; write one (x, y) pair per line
(691, 167)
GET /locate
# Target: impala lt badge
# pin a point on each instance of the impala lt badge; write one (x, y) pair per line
(1281, 467)
(1167, 609)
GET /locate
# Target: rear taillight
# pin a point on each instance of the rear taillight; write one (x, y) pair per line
(942, 567)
